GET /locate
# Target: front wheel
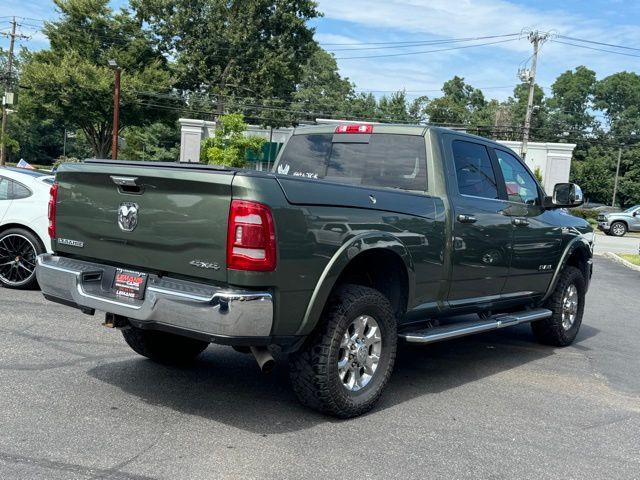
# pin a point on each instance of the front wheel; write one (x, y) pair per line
(618, 229)
(567, 305)
(345, 365)
(18, 251)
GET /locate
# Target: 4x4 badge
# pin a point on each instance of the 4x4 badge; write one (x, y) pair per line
(128, 216)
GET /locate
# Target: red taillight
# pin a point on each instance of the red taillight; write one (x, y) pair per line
(53, 199)
(354, 128)
(251, 242)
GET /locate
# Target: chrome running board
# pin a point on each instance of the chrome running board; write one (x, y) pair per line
(461, 329)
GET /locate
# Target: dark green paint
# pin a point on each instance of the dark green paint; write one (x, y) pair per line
(320, 228)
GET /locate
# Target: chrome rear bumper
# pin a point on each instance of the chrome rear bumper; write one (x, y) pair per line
(189, 307)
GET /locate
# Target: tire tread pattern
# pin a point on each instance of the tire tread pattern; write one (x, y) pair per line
(550, 331)
(310, 372)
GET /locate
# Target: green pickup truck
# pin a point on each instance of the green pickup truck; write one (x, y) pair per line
(362, 236)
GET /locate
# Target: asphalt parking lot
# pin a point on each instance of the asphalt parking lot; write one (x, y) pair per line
(76, 403)
(630, 243)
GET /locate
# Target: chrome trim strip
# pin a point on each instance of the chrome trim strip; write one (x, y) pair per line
(164, 291)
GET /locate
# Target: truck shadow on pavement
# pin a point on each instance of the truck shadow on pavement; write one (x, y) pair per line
(226, 386)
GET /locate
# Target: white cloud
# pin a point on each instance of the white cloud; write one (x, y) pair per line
(495, 65)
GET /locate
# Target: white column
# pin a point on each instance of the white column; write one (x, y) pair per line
(191, 133)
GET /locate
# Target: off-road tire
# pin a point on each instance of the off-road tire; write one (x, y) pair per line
(163, 347)
(621, 226)
(550, 330)
(37, 247)
(314, 368)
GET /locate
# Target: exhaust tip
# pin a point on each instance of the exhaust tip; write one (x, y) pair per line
(268, 366)
(264, 358)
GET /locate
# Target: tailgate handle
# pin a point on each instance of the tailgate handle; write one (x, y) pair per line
(127, 184)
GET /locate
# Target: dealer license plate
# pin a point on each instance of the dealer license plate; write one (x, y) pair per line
(129, 284)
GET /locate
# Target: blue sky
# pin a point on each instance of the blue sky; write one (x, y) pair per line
(492, 68)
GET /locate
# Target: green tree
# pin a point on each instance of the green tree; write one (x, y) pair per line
(618, 96)
(229, 145)
(322, 91)
(518, 110)
(253, 50)
(394, 108)
(72, 81)
(569, 105)
(594, 174)
(158, 142)
(362, 106)
(457, 104)
(418, 109)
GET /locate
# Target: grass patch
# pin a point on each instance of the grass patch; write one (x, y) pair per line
(635, 259)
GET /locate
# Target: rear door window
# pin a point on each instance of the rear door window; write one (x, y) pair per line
(474, 170)
(20, 191)
(379, 160)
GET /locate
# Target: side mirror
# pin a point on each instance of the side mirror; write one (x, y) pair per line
(565, 195)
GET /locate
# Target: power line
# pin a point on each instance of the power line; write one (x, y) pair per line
(367, 90)
(417, 43)
(420, 41)
(428, 51)
(598, 43)
(596, 49)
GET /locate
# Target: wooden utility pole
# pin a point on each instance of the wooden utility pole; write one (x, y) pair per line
(615, 182)
(116, 108)
(536, 38)
(116, 115)
(5, 115)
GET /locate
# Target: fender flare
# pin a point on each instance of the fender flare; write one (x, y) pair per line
(575, 244)
(339, 261)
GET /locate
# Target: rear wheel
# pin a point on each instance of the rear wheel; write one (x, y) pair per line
(567, 305)
(344, 367)
(618, 229)
(163, 347)
(18, 251)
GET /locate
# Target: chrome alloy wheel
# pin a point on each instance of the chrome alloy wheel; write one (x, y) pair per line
(569, 306)
(359, 354)
(17, 260)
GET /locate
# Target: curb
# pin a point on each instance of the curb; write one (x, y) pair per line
(621, 260)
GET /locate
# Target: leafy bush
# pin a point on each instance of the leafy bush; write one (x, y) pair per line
(538, 174)
(586, 213)
(60, 160)
(229, 145)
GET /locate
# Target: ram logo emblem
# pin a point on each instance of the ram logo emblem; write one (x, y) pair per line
(128, 216)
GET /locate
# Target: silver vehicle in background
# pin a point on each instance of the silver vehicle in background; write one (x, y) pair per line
(619, 223)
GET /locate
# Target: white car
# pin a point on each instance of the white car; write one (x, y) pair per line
(24, 199)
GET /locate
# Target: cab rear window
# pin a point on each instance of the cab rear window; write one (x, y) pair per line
(377, 160)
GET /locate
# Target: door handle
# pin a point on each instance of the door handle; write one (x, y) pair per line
(520, 222)
(463, 218)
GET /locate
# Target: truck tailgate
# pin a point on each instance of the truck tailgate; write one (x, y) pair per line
(154, 218)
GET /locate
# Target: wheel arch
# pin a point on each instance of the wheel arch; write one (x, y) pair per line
(8, 226)
(620, 220)
(376, 259)
(577, 254)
